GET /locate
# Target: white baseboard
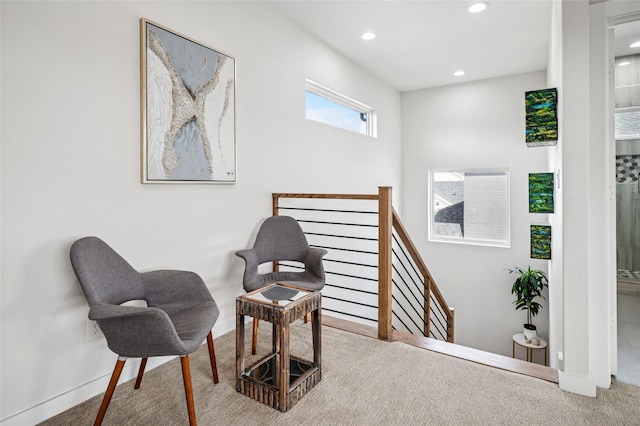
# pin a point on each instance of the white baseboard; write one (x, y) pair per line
(576, 384)
(67, 400)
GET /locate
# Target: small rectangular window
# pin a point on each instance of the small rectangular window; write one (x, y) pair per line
(327, 106)
(469, 206)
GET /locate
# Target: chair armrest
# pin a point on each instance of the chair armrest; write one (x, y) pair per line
(313, 261)
(166, 287)
(251, 279)
(134, 331)
(249, 256)
(104, 311)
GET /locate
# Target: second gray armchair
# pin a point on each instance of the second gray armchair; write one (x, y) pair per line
(280, 238)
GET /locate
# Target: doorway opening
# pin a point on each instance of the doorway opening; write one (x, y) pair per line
(627, 151)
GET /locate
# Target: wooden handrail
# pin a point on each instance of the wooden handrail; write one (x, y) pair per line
(388, 219)
(331, 196)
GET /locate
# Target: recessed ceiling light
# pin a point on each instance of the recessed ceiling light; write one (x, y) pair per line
(368, 36)
(635, 44)
(624, 63)
(478, 7)
(459, 73)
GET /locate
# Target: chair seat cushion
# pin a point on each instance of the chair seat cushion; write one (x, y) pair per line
(193, 322)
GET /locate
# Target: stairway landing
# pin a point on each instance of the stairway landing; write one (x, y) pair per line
(474, 355)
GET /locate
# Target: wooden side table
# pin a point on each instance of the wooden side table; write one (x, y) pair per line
(518, 339)
(279, 379)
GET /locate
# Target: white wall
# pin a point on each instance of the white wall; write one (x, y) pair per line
(70, 168)
(554, 79)
(474, 125)
(576, 191)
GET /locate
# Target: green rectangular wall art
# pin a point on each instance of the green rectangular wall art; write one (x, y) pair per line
(541, 117)
(541, 242)
(540, 192)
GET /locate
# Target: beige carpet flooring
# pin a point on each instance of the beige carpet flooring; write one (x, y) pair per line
(364, 382)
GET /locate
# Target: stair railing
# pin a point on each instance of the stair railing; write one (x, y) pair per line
(374, 272)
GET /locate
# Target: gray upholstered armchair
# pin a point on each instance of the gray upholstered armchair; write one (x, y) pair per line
(179, 315)
(280, 238)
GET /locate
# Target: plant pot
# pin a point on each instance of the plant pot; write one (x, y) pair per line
(529, 331)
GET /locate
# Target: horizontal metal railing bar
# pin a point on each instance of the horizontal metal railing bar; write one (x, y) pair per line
(331, 273)
(344, 249)
(350, 263)
(367, 225)
(288, 265)
(349, 301)
(348, 314)
(351, 289)
(351, 276)
(341, 236)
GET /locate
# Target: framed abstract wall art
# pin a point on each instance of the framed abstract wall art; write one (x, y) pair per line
(187, 109)
(540, 192)
(541, 122)
(541, 242)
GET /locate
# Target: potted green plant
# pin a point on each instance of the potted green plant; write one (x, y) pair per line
(527, 287)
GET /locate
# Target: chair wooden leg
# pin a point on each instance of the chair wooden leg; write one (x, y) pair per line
(188, 389)
(212, 357)
(254, 343)
(109, 393)
(143, 364)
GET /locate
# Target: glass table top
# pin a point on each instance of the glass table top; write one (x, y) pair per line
(278, 294)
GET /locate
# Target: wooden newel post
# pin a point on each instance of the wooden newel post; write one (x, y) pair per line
(427, 306)
(450, 325)
(275, 201)
(385, 226)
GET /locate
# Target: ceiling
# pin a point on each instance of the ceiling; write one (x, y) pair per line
(421, 43)
(625, 34)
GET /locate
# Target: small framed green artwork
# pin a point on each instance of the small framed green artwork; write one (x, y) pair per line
(540, 192)
(541, 117)
(541, 242)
